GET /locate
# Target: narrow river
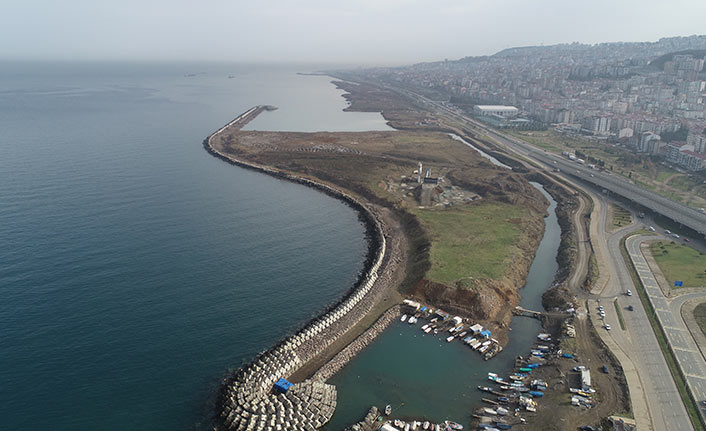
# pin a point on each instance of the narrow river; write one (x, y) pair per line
(422, 375)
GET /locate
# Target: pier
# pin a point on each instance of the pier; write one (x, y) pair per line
(521, 311)
(249, 401)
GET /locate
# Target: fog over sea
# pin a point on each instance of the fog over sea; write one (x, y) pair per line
(136, 269)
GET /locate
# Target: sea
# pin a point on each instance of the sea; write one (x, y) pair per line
(136, 270)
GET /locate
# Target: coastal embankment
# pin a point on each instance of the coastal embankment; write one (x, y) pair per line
(247, 398)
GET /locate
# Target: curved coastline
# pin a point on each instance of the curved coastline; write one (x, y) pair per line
(247, 400)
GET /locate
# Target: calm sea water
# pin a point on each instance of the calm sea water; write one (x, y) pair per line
(423, 376)
(135, 269)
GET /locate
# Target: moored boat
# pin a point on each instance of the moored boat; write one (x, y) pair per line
(453, 425)
(388, 410)
(403, 318)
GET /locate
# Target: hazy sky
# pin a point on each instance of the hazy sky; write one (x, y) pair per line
(366, 31)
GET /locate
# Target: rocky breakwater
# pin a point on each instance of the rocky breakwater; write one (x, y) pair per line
(249, 400)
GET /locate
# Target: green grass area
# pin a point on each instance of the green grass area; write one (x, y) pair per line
(680, 262)
(621, 216)
(679, 380)
(620, 314)
(700, 316)
(472, 242)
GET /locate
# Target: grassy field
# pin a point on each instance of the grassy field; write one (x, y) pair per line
(476, 241)
(700, 316)
(621, 216)
(680, 262)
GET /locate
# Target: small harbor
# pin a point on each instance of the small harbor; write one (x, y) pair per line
(424, 377)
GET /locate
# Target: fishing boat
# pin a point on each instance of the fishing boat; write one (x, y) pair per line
(453, 425)
(450, 339)
(388, 410)
(494, 377)
(403, 318)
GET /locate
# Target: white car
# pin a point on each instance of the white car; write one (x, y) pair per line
(607, 327)
(651, 229)
(675, 236)
(628, 292)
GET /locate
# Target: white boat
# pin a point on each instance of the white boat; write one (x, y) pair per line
(453, 425)
(476, 345)
(388, 410)
(471, 341)
(425, 425)
(462, 334)
(412, 320)
(403, 318)
(406, 427)
(428, 330)
(489, 411)
(399, 423)
(487, 342)
(450, 339)
(483, 349)
(425, 327)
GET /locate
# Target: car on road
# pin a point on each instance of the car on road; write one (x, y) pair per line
(703, 403)
(675, 235)
(651, 229)
(668, 232)
(628, 292)
(605, 369)
(607, 327)
(686, 239)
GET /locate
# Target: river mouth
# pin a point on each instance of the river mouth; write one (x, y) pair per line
(422, 376)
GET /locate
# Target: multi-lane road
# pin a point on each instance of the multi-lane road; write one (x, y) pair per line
(668, 311)
(656, 402)
(687, 216)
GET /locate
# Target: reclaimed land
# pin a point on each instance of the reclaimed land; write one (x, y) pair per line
(463, 242)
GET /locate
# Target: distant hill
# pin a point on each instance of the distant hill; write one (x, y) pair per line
(645, 50)
(658, 62)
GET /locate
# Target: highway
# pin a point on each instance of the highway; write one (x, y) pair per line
(676, 211)
(654, 396)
